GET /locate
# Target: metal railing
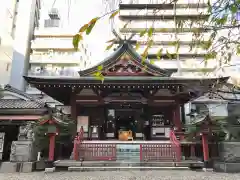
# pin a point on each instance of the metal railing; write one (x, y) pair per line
(53, 73)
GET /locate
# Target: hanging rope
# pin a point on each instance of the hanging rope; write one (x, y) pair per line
(69, 6)
(53, 4)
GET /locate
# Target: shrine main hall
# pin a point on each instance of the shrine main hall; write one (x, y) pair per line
(135, 101)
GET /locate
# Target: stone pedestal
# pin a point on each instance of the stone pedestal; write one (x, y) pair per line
(229, 152)
(22, 151)
(226, 167)
(229, 157)
(8, 167)
(2, 135)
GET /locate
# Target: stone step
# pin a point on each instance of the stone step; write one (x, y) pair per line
(72, 163)
(122, 168)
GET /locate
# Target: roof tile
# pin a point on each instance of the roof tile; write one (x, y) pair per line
(19, 104)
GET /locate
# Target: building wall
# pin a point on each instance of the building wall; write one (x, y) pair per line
(27, 15)
(7, 14)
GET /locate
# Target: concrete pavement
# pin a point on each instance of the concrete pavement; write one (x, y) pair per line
(121, 175)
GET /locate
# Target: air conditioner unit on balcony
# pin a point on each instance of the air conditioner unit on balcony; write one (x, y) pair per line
(54, 14)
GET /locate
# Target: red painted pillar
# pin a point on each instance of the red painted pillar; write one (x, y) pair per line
(205, 149)
(51, 146)
(75, 149)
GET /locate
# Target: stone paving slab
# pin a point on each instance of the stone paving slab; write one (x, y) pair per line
(121, 175)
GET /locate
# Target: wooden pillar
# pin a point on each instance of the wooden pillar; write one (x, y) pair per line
(73, 105)
(192, 149)
(51, 146)
(177, 117)
(183, 114)
(205, 149)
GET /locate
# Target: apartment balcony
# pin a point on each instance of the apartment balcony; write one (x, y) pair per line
(55, 59)
(54, 32)
(184, 37)
(161, 26)
(167, 43)
(171, 49)
(130, 6)
(136, 17)
(148, 2)
(186, 56)
(193, 65)
(53, 73)
(52, 43)
(165, 13)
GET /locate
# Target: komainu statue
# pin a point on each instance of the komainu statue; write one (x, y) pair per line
(26, 132)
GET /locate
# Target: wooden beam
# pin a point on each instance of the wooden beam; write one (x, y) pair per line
(86, 98)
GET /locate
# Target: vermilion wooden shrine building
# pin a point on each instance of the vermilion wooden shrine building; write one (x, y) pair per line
(137, 101)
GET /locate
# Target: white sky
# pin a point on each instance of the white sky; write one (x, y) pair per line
(80, 12)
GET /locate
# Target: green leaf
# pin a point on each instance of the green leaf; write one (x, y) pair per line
(222, 20)
(125, 25)
(100, 67)
(83, 28)
(142, 33)
(145, 53)
(152, 61)
(150, 43)
(150, 32)
(94, 20)
(169, 55)
(91, 25)
(210, 55)
(206, 45)
(137, 45)
(114, 14)
(234, 8)
(109, 46)
(97, 74)
(238, 50)
(76, 39)
(89, 29)
(159, 53)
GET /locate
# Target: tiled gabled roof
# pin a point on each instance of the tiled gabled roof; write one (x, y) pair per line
(29, 102)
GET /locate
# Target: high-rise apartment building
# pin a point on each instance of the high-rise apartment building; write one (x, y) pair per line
(24, 20)
(137, 15)
(52, 51)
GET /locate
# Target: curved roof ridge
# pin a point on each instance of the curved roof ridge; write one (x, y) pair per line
(115, 56)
